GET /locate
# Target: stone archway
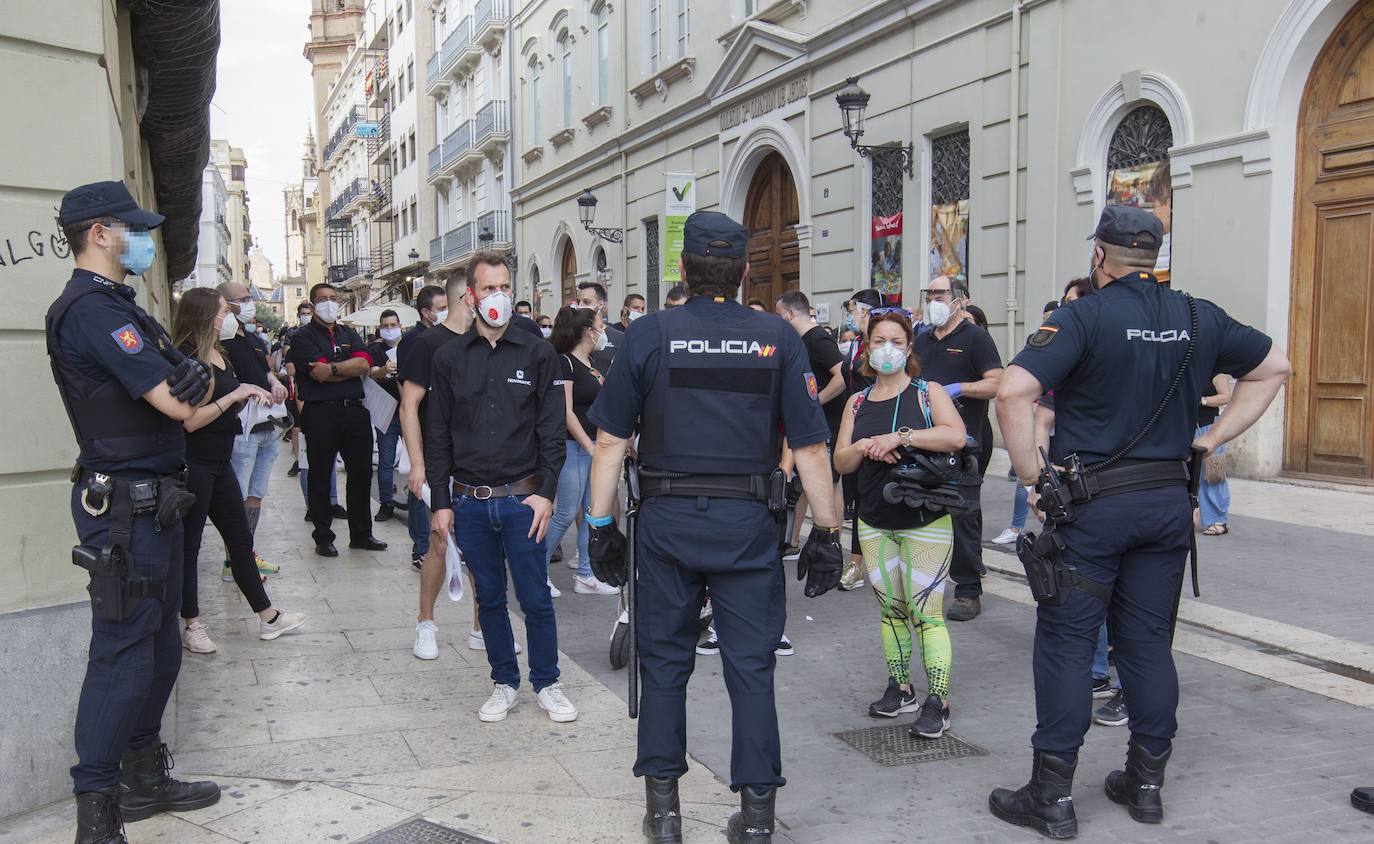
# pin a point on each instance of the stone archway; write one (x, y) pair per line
(771, 215)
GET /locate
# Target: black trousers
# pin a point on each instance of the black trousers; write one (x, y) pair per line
(133, 663)
(966, 562)
(219, 498)
(331, 430)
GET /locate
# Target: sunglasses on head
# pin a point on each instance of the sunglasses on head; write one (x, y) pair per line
(892, 309)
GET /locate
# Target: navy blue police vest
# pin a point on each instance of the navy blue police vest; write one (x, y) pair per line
(110, 426)
(713, 406)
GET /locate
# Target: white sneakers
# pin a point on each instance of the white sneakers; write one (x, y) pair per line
(196, 639)
(285, 623)
(1007, 537)
(503, 699)
(554, 591)
(553, 701)
(574, 562)
(426, 646)
(477, 642)
(592, 586)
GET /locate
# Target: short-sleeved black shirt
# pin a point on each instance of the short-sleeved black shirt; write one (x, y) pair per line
(246, 356)
(214, 443)
(1110, 357)
(377, 351)
(585, 387)
(418, 364)
(330, 344)
(960, 358)
(824, 353)
(602, 360)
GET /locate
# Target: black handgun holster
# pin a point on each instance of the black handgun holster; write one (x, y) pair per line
(1051, 578)
(114, 592)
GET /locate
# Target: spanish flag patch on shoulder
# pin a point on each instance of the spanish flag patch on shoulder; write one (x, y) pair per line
(1043, 336)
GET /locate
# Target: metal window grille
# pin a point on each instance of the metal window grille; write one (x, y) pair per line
(887, 182)
(949, 168)
(652, 277)
(1143, 136)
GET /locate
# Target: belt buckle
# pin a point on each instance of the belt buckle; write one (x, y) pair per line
(477, 492)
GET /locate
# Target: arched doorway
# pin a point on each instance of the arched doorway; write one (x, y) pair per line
(1330, 416)
(568, 273)
(771, 216)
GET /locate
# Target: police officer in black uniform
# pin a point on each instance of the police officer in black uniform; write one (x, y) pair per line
(1123, 513)
(712, 388)
(126, 390)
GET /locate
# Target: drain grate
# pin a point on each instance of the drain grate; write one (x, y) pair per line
(894, 745)
(421, 831)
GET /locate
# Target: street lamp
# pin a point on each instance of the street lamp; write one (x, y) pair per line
(485, 236)
(586, 212)
(414, 255)
(852, 101)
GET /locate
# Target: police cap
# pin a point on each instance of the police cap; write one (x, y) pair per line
(1132, 228)
(105, 199)
(713, 234)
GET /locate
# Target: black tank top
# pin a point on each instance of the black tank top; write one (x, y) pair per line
(215, 442)
(875, 418)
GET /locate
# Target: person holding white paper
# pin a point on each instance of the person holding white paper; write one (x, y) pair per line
(383, 373)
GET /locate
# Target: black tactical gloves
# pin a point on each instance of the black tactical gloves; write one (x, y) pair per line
(610, 555)
(189, 381)
(820, 562)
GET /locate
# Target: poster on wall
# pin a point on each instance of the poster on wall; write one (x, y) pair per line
(949, 240)
(1147, 186)
(680, 200)
(886, 257)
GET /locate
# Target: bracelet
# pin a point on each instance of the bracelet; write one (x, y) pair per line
(598, 522)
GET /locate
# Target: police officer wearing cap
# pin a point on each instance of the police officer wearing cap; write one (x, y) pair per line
(1123, 514)
(127, 391)
(712, 388)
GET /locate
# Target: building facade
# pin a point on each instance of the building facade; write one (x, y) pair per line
(233, 168)
(212, 253)
(91, 77)
(1019, 137)
(468, 168)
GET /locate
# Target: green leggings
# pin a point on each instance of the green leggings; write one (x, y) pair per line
(907, 570)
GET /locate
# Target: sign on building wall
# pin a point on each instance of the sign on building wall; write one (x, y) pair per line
(949, 205)
(887, 257)
(680, 200)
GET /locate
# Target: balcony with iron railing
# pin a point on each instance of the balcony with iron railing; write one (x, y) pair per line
(458, 245)
(489, 21)
(432, 75)
(341, 273)
(380, 144)
(436, 251)
(343, 132)
(380, 199)
(435, 159)
(454, 47)
(458, 142)
(469, 53)
(497, 222)
(491, 126)
(346, 198)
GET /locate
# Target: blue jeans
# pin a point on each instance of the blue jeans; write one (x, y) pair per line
(485, 530)
(1020, 508)
(574, 497)
(1214, 500)
(333, 486)
(417, 521)
(386, 459)
(252, 459)
(1100, 655)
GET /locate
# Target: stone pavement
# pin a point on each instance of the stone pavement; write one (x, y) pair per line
(337, 732)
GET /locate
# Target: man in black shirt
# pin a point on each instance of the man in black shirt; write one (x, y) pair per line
(383, 372)
(497, 429)
(330, 364)
(963, 359)
(432, 303)
(633, 308)
(591, 294)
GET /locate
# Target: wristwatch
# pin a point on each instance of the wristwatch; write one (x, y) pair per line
(333, 369)
(904, 434)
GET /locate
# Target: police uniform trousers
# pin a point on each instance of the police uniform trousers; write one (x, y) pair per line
(133, 663)
(332, 429)
(683, 546)
(1135, 543)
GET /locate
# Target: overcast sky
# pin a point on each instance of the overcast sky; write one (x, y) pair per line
(263, 104)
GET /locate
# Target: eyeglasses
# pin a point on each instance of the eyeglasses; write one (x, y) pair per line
(892, 309)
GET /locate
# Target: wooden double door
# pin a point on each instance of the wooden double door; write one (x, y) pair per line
(771, 216)
(1330, 413)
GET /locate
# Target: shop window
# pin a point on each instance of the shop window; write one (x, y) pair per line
(949, 205)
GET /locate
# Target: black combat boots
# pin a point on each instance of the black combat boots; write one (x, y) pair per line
(1137, 787)
(97, 818)
(753, 823)
(662, 815)
(146, 788)
(1044, 804)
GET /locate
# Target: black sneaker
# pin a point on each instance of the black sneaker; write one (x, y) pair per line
(557, 555)
(964, 609)
(784, 647)
(710, 646)
(385, 512)
(338, 511)
(933, 720)
(1113, 712)
(1102, 689)
(294, 470)
(894, 701)
(417, 561)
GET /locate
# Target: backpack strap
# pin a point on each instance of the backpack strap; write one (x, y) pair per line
(863, 396)
(923, 394)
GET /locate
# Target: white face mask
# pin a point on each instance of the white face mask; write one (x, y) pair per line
(303, 319)
(391, 335)
(600, 341)
(327, 311)
(495, 309)
(887, 359)
(440, 316)
(546, 331)
(935, 313)
(634, 315)
(247, 311)
(846, 347)
(228, 328)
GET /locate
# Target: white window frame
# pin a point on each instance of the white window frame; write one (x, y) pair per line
(683, 17)
(603, 57)
(534, 139)
(655, 40)
(565, 73)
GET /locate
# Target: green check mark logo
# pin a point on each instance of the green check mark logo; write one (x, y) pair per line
(682, 194)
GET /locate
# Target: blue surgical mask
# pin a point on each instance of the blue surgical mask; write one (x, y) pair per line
(139, 252)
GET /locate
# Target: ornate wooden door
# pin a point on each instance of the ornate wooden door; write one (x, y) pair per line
(771, 216)
(1330, 417)
(568, 274)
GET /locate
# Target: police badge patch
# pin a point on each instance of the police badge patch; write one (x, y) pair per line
(129, 340)
(1042, 337)
(811, 385)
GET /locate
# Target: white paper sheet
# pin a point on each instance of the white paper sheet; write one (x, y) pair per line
(379, 403)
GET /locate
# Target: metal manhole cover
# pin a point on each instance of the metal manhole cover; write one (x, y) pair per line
(894, 745)
(421, 831)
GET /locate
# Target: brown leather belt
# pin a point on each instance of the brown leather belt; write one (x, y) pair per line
(524, 486)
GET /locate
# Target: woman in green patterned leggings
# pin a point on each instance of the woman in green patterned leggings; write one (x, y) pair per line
(906, 550)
